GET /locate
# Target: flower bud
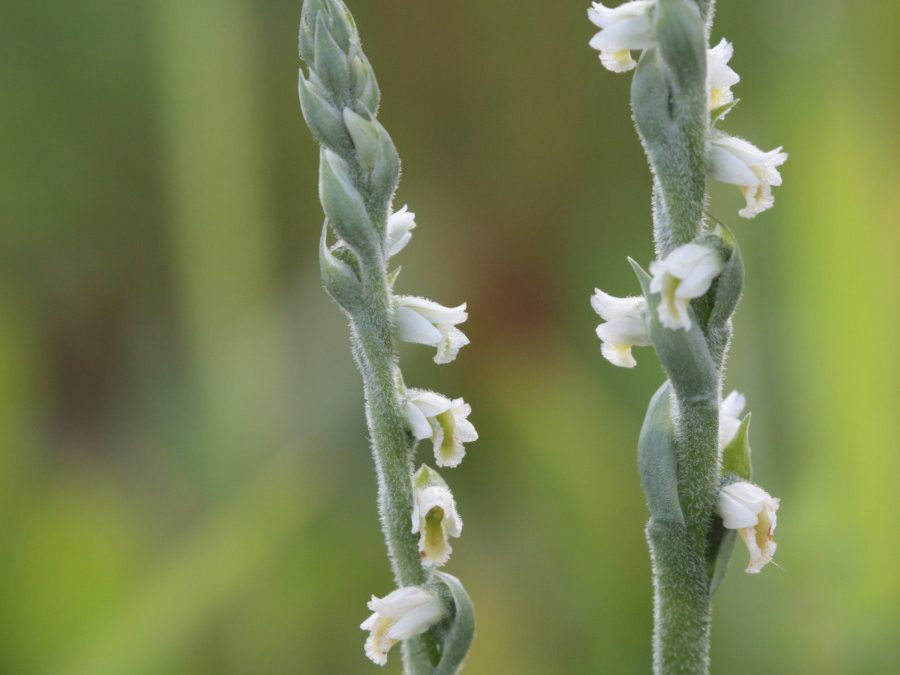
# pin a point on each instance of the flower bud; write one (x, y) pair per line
(344, 205)
(325, 121)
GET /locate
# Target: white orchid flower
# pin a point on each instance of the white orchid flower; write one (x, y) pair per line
(425, 322)
(750, 510)
(626, 27)
(686, 273)
(739, 162)
(400, 615)
(720, 78)
(444, 421)
(435, 519)
(625, 327)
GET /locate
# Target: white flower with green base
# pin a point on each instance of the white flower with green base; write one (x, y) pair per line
(444, 421)
(434, 518)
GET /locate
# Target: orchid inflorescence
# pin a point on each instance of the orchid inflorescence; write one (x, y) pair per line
(693, 453)
(359, 171)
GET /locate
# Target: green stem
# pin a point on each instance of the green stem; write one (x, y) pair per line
(374, 348)
(681, 602)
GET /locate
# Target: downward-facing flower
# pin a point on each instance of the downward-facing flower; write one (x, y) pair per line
(750, 510)
(686, 273)
(730, 417)
(444, 421)
(427, 323)
(625, 327)
(434, 517)
(406, 612)
(719, 76)
(626, 27)
(739, 162)
(399, 231)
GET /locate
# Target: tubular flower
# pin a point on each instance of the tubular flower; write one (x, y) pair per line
(444, 421)
(686, 273)
(399, 231)
(406, 612)
(426, 322)
(730, 417)
(739, 162)
(435, 520)
(625, 327)
(750, 510)
(720, 78)
(626, 27)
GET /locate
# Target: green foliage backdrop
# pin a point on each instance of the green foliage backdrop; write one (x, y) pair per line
(185, 487)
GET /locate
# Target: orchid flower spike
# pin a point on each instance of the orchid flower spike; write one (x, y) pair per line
(444, 421)
(399, 231)
(730, 417)
(400, 615)
(434, 517)
(426, 322)
(750, 510)
(686, 273)
(720, 78)
(625, 327)
(626, 27)
(739, 162)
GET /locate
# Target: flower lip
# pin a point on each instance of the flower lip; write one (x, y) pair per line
(435, 519)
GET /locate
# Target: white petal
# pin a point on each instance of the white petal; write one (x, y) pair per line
(417, 621)
(735, 514)
(413, 327)
(429, 402)
(733, 404)
(433, 311)
(418, 422)
(610, 307)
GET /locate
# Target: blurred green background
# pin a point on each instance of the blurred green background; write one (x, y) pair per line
(185, 487)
